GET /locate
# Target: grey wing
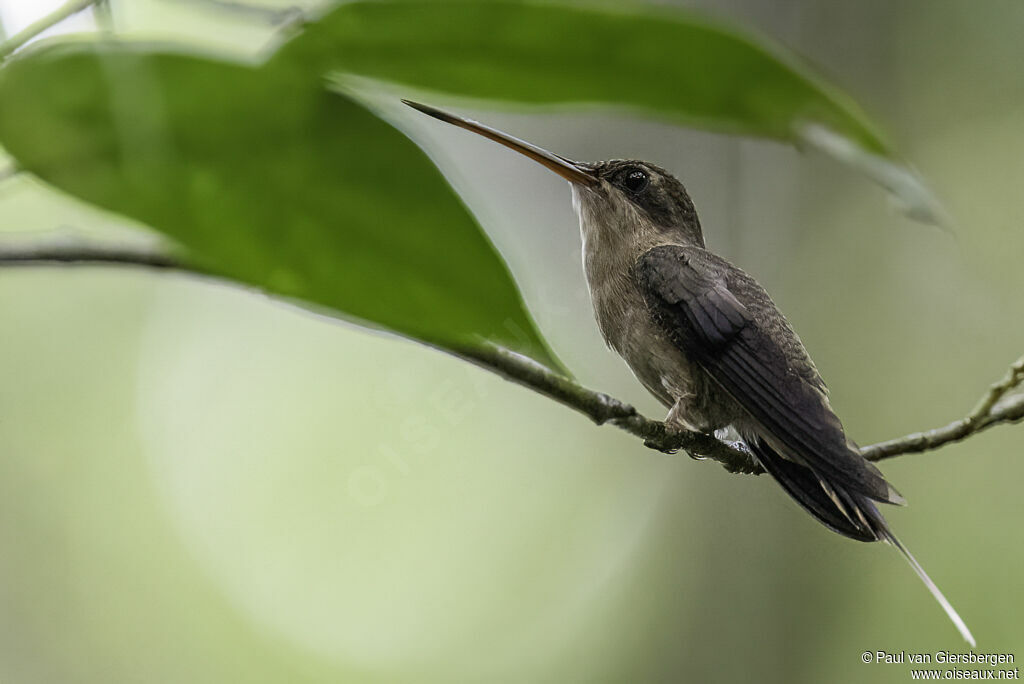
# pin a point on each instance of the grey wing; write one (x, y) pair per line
(688, 293)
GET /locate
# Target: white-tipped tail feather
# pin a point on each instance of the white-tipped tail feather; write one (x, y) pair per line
(852, 514)
(946, 606)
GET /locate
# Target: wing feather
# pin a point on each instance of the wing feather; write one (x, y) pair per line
(689, 294)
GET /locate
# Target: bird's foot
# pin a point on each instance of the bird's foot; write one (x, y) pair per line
(659, 445)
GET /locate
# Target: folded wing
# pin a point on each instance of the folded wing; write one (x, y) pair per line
(688, 291)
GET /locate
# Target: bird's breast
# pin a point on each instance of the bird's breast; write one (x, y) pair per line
(629, 328)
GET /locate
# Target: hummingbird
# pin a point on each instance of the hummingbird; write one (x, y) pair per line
(709, 343)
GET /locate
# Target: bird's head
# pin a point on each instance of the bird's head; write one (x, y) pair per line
(632, 196)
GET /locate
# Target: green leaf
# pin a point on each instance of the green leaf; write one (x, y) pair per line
(270, 181)
(674, 64)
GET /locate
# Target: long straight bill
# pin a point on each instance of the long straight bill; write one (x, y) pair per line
(574, 172)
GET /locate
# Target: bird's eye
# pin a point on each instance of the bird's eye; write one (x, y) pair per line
(635, 180)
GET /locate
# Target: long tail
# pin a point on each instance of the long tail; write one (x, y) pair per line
(848, 513)
(958, 622)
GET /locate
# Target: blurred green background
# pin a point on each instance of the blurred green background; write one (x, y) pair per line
(202, 484)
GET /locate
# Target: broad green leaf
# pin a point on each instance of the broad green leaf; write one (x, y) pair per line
(267, 180)
(674, 64)
(671, 62)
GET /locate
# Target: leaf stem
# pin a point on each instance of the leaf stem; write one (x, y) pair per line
(35, 28)
(272, 15)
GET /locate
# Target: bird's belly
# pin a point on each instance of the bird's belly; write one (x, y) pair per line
(659, 364)
(654, 360)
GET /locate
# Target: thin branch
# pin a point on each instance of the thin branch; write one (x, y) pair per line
(35, 28)
(998, 405)
(84, 255)
(602, 409)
